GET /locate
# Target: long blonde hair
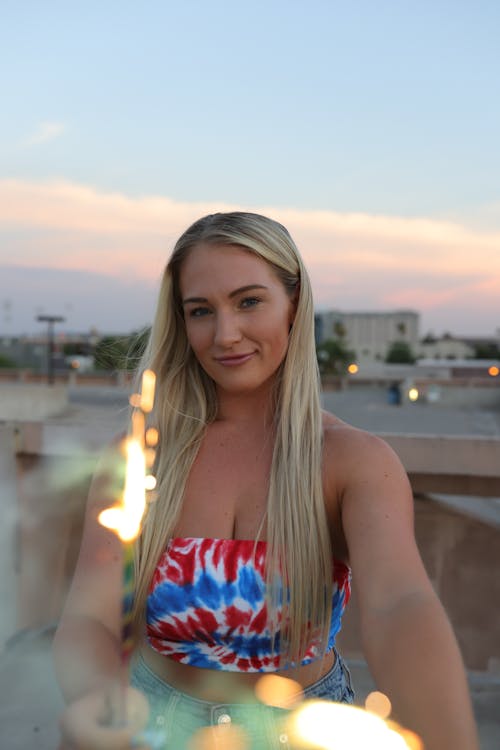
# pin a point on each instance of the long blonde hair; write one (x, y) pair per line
(298, 549)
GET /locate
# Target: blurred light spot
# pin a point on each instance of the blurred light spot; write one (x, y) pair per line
(378, 704)
(413, 741)
(150, 457)
(222, 737)
(353, 369)
(413, 394)
(312, 725)
(135, 400)
(152, 436)
(278, 691)
(150, 482)
(147, 390)
(493, 371)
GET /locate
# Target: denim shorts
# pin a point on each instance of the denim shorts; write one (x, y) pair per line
(175, 717)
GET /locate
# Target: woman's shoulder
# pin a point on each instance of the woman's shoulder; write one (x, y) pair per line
(351, 451)
(338, 434)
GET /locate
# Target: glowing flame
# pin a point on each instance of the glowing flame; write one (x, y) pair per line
(331, 726)
(125, 517)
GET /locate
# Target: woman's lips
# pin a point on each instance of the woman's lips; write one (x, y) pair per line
(234, 360)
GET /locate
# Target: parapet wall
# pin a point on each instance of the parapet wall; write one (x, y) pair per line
(45, 472)
(31, 401)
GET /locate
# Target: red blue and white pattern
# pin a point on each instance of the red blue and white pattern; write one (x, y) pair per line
(207, 605)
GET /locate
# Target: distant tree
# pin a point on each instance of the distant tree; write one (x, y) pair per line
(488, 350)
(6, 362)
(400, 353)
(401, 328)
(339, 329)
(110, 353)
(77, 348)
(120, 352)
(137, 344)
(429, 338)
(333, 357)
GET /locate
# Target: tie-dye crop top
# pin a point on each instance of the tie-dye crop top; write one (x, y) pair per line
(207, 605)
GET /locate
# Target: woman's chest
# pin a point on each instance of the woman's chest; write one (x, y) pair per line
(227, 488)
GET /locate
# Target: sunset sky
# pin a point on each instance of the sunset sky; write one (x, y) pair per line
(369, 128)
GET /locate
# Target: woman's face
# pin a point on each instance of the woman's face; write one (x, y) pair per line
(237, 313)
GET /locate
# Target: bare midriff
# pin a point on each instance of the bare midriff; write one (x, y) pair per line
(219, 686)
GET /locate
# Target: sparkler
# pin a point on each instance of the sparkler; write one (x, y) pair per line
(124, 518)
(325, 725)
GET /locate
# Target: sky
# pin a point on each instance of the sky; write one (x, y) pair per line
(370, 129)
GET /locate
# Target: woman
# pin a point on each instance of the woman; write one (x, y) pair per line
(263, 503)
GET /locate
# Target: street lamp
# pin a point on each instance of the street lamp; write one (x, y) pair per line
(50, 320)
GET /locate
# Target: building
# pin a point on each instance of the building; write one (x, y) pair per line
(369, 334)
(444, 347)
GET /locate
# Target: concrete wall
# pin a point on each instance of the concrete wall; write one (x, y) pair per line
(455, 465)
(470, 395)
(26, 401)
(8, 534)
(462, 559)
(54, 465)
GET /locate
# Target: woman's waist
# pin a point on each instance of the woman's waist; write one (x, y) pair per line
(221, 686)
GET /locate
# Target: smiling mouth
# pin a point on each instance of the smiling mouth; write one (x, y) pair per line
(233, 360)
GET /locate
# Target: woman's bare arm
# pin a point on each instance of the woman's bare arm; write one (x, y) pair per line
(407, 638)
(87, 641)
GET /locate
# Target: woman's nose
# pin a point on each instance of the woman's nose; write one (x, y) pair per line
(227, 331)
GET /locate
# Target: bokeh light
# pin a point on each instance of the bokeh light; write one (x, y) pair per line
(378, 703)
(353, 368)
(135, 400)
(223, 737)
(152, 436)
(150, 454)
(149, 482)
(274, 690)
(493, 371)
(336, 726)
(413, 394)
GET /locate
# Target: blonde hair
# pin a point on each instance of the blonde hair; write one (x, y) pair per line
(298, 549)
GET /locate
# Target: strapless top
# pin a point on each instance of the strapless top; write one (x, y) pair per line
(207, 606)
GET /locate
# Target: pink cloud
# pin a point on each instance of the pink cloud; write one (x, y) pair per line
(355, 260)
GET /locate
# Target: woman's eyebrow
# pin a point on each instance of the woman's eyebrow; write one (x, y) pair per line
(240, 290)
(194, 299)
(247, 288)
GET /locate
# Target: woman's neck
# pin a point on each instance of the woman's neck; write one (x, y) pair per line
(255, 408)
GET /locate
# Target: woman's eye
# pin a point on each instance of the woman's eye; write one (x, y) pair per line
(249, 302)
(198, 312)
